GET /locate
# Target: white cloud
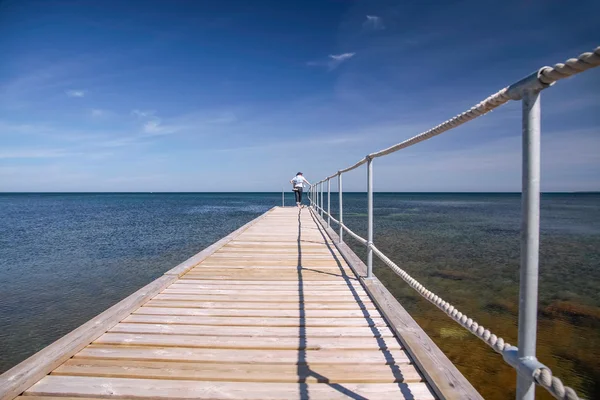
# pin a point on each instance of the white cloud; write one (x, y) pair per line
(152, 127)
(75, 93)
(373, 22)
(34, 153)
(336, 59)
(143, 113)
(333, 62)
(156, 127)
(97, 112)
(341, 57)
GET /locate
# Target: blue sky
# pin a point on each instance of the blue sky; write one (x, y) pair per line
(240, 95)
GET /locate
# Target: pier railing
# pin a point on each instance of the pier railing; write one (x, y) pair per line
(529, 370)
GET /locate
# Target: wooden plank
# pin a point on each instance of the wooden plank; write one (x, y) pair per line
(294, 298)
(266, 276)
(261, 306)
(256, 321)
(273, 251)
(148, 324)
(239, 372)
(182, 389)
(224, 341)
(283, 289)
(248, 263)
(247, 356)
(269, 285)
(257, 244)
(440, 372)
(268, 257)
(247, 267)
(266, 293)
(23, 375)
(259, 313)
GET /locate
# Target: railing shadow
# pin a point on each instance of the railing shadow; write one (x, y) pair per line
(325, 273)
(390, 361)
(303, 370)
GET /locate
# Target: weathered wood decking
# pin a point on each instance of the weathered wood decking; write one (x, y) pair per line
(272, 311)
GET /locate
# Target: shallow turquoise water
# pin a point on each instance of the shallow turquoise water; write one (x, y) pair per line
(64, 258)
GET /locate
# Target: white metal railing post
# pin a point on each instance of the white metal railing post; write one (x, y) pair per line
(370, 217)
(530, 239)
(523, 358)
(341, 216)
(322, 188)
(328, 203)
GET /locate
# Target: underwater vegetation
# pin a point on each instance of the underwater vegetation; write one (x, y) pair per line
(469, 255)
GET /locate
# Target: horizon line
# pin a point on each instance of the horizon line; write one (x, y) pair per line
(277, 192)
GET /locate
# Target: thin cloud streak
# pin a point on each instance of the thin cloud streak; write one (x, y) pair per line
(98, 112)
(334, 61)
(142, 113)
(373, 22)
(337, 60)
(75, 93)
(30, 154)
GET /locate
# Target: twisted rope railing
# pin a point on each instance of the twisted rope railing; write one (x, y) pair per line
(572, 66)
(542, 376)
(545, 77)
(351, 233)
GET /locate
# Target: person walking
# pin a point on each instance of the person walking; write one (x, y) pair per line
(298, 184)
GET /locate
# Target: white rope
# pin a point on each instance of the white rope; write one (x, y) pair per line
(542, 376)
(487, 105)
(354, 235)
(571, 67)
(547, 75)
(325, 213)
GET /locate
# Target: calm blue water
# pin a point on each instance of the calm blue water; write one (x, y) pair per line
(64, 258)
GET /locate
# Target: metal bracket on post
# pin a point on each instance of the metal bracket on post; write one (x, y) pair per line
(370, 217)
(525, 366)
(341, 216)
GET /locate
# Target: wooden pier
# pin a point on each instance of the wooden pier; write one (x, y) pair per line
(276, 310)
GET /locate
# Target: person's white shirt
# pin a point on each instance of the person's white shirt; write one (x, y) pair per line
(299, 181)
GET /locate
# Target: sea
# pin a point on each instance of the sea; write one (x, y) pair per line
(66, 257)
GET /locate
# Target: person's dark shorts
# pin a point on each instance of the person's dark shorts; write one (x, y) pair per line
(298, 193)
